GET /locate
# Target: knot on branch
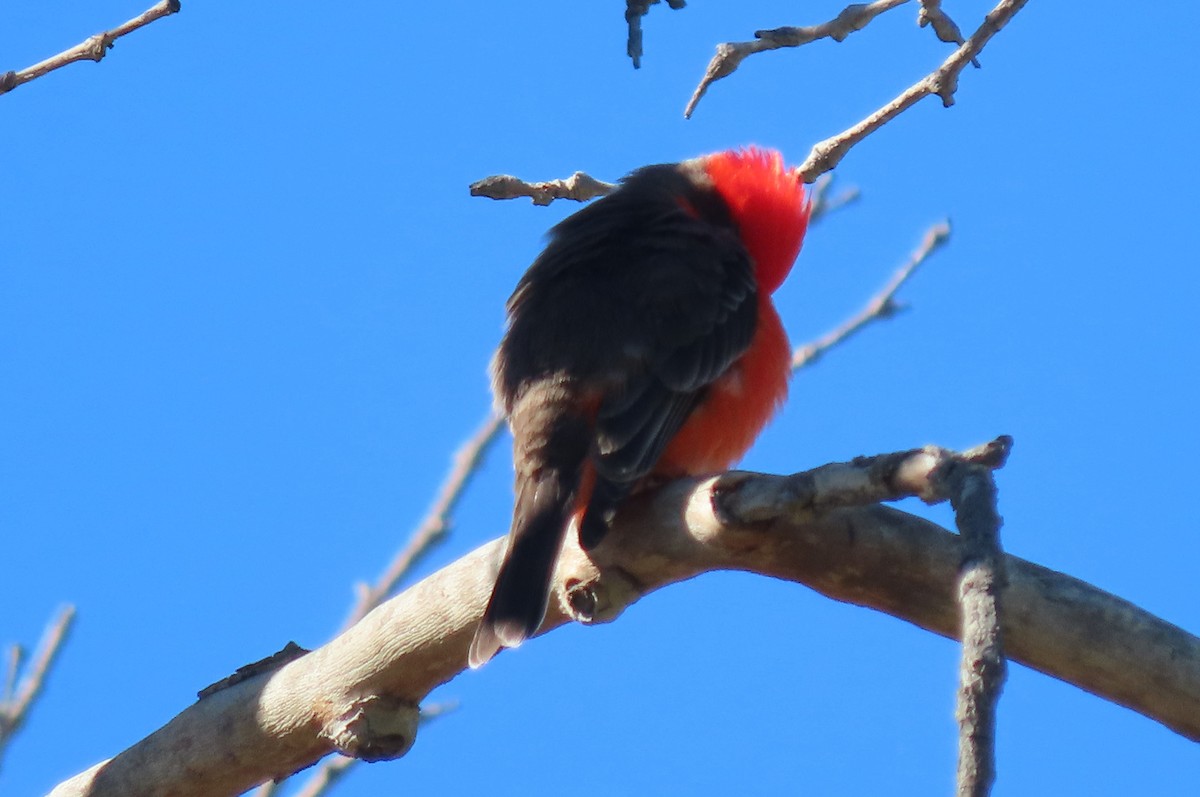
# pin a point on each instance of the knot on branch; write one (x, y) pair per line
(600, 598)
(96, 47)
(374, 728)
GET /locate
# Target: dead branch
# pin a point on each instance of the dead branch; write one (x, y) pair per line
(579, 187)
(93, 48)
(434, 527)
(942, 82)
(358, 694)
(582, 187)
(731, 54)
(823, 204)
(972, 492)
(882, 305)
(20, 695)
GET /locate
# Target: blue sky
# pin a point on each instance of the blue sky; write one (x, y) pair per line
(246, 305)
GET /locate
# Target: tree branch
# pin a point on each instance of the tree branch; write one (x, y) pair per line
(942, 81)
(436, 524)
(582, 187)
(882, 305)
(981, 676)
(579, 187)
(809, 528)
(93, 48)
(944, 28)
(20, 696)
(431, 531)
(731, 54)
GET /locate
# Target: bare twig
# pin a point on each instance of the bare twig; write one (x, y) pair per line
(582, 187)
(731, 54)
(823, 204)
(942, 82)
(14, 709)
(882, 305)
(579, 187)
(92, 48)
(16, 655)
(634, 11)
(437, 520)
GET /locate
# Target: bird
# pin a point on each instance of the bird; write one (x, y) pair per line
(641, 345)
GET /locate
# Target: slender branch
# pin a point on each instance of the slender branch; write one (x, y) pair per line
(982, 580)
(436, 524)
(14, 709)
(882, 305)
(582, 187)
(823, 204)
(579, 187)
(807, 528)
(93, 48)
(16, 655)
(943, 82)
(731, 54)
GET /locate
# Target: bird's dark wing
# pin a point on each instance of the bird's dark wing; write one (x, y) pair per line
(643, 299)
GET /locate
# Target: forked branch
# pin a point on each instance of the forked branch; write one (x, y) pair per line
(811, 528)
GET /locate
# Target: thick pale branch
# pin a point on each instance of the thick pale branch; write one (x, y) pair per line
(873, 556)
(93, 48)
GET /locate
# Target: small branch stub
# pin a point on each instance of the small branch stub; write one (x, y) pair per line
(599, 598)
(375, 728)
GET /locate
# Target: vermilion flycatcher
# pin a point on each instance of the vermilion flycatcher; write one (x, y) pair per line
(641, 343)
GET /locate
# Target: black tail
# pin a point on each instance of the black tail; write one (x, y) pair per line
(522, 589)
